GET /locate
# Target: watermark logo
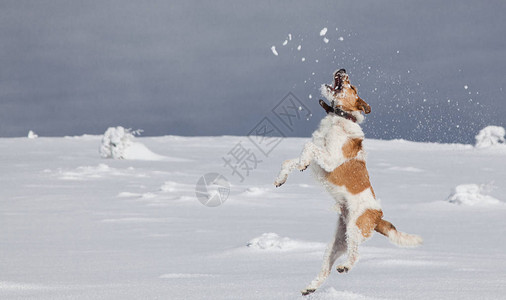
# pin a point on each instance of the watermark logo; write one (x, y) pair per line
(290, 109)
(212, 189)
(246, 155)
(266, 136)
(241, 161)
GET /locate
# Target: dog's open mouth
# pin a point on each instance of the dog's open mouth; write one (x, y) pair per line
(338, 79)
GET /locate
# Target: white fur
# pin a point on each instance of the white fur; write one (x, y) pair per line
(325, 147)
(403, 239)
(324, 154)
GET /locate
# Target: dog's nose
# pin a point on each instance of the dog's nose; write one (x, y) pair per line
(341, 71)
(367, 109)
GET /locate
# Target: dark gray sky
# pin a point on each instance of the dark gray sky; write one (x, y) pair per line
(206, 68)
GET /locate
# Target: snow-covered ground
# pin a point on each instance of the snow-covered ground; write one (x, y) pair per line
(75, 225)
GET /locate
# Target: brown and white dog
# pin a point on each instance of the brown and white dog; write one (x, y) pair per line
(337, 159)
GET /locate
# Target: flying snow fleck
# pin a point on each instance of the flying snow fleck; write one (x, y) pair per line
(285, 42)
(289, 36)
(323, 31)
(466, 87)
(299, 47)
(325, 40)
(303, 59)
(341, 38)
(273, 49)
(310, 96)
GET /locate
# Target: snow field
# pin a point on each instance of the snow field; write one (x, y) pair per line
(75, 225)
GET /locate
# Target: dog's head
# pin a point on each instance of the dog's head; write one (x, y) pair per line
(345, 95)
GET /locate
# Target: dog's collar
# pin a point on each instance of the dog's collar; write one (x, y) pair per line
(344, 114)
(337, 111)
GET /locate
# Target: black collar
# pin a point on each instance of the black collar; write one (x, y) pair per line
(337, 111)
(344, 114)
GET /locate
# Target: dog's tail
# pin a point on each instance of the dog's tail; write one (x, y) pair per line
(396, 237)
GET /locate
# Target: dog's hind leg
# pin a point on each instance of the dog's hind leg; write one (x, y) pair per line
(334, 250)
(352, 251)
(358, 230)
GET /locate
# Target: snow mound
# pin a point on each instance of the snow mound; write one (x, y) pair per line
(32, 135)
(169, 186)
(118, 143)
(255, 191)
(21, 286)
(406, 169)
(472, 195)
(138, 151)
(183, 276)
(394, 263)
(135, 220)
(332, 293)
(272, 241)
(148, 196)
(490, 136)
(128, 195)
(115, 142)
(91, 172)
(173, 186)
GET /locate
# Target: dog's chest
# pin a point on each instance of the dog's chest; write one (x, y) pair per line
(334, 132)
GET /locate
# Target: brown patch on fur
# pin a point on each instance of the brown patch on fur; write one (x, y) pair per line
(384, 227)
(363, 106)
(352, 174)
(369, 221)
(352, 147)
(347, 95)
(352, 102)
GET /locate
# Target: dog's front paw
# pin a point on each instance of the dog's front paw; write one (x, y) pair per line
(342, 269)
(302, 166)
(280, 181)
(306, 292)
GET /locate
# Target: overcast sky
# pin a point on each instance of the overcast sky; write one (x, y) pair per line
(431, 70)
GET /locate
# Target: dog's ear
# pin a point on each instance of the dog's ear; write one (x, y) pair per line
(363, 106)
(326, 107)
